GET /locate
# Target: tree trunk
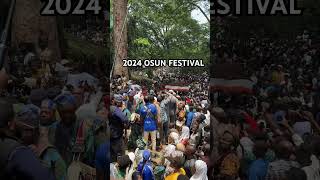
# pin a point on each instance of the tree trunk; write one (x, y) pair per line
(120, 37)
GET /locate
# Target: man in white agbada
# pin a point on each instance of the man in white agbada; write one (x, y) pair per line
(201, 171)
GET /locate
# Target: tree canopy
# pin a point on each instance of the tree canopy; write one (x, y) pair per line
(165, 29)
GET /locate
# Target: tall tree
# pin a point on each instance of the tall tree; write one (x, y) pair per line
(120, 37)
(165, 29)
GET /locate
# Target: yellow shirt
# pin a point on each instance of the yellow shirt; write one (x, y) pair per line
(277, 77)
(175, 175)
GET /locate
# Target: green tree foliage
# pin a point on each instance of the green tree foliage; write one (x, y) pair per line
(165, 29)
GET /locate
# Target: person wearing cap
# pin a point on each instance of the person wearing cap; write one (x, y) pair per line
(17, 161)
(28, 123)
(145, 169)
(48, 119)
(118, 122)
(66, 129)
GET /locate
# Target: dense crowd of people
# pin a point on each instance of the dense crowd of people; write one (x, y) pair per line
(198, 83)
(272, 133)
(158, 134)
(93, 32)
(53, 123)
(59, 125)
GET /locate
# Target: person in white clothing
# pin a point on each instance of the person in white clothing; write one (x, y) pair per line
(201, 171)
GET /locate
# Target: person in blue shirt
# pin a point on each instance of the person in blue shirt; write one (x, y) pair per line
(102, 161)
(17, 161)
(190, 116)
(148, 113)
(258, 168)
(145, 167)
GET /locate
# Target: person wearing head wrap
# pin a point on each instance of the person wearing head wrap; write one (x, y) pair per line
(145, 166)
(48, 119)
(28, 120)
(169, 150)
(173, 138)
(66, 106)
(66, 129)
(174, 169)
(185, 134)
(201, 171)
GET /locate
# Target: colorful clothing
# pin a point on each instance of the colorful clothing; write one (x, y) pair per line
(164, 110)
(230, 165)
(145, 167)
(54, 161)
(127, 113)
(277, 169)
(175, 175)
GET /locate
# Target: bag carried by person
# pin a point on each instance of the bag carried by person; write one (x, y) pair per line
(78, 170)
(58, 166)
